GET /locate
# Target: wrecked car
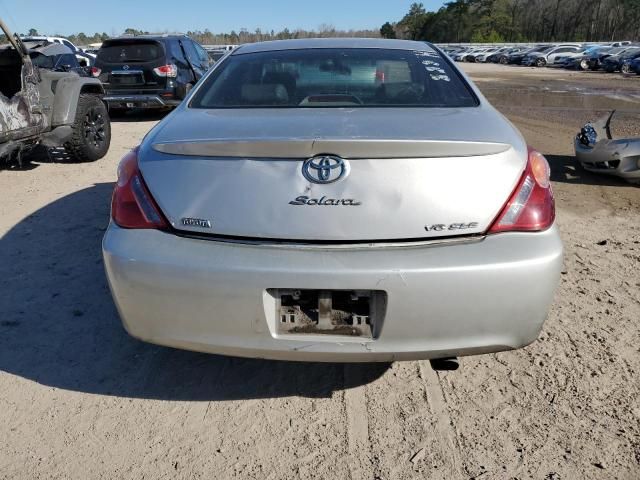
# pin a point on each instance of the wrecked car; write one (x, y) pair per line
(54, 56)
(47, 107)
(597, 150)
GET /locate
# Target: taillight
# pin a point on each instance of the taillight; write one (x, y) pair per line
(132, 205)
(531, 207)
(95, 72)
(166, 71)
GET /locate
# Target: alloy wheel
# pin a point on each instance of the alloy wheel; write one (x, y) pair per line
(94, 123)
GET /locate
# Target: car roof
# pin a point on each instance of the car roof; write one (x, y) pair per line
(301, 44)
(156, 38)
(28, 38)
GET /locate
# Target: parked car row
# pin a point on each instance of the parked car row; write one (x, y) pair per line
(52, 93)
(146, 71)
(615, 57)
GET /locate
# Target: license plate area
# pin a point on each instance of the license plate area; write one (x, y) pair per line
(351, 313)
(127, 78)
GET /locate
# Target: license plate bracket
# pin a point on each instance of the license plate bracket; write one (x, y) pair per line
(352, 313)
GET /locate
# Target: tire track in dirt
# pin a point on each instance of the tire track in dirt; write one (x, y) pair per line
(450, 449)
(355, 404)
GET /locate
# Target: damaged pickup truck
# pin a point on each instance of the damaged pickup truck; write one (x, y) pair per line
(598, 152)
(49, 108)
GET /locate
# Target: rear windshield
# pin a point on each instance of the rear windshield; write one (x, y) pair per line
(131, 52)
(334, 78)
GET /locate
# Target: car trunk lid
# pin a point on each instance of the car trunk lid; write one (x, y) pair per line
(409, 175)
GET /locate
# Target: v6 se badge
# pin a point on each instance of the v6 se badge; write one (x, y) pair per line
(440, 227)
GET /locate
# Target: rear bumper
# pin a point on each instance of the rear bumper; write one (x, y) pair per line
(443, 300)
(139, 101)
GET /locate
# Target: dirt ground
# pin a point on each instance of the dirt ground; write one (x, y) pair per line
(80, 399)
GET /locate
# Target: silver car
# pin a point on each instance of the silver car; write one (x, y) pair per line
(599, 152)
(334, 200)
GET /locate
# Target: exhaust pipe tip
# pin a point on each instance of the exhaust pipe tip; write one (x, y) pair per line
(445, 364)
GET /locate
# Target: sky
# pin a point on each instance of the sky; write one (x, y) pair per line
(113, 16)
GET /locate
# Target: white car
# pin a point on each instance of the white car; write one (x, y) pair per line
(548, 57)
(462, 56)
(84, 58)
(481, 57)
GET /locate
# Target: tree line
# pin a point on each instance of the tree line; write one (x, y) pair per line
(520, 21)
(461, 21)
(207, 37)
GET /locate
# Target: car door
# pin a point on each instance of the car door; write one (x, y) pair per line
(196, 63)
(205, 59)
(21, 106)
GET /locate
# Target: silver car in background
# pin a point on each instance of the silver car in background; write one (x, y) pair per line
(599, 152)
(334, 200)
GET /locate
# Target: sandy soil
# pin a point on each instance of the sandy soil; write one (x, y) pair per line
(80, 399)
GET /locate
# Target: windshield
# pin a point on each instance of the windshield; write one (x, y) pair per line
(130, 51)
(334, 78)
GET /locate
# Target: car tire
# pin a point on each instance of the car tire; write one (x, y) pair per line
(541, 62)
(584, 65)
(625, 68)
(504, 60)
(91, 130)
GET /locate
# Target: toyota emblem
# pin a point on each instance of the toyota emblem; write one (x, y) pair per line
(325, 169)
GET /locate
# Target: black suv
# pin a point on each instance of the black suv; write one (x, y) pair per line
(149, 71)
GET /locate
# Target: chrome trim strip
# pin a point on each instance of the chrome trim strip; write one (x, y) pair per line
(302, 245)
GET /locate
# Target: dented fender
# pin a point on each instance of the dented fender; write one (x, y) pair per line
(67, 93)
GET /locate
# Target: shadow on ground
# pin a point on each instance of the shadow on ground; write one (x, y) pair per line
(566, 169)
(36, 156)
(59, 327)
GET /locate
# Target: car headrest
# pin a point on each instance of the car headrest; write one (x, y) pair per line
(265, 94)
(285, 78)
